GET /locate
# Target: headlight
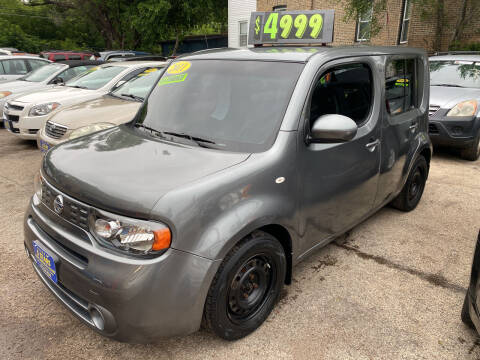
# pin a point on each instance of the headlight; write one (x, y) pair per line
(4, 94)
(89, 129)
(37, 185)
(466, 108)
(131, 235)
(43, 109)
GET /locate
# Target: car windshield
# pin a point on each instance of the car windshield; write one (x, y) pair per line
(236, 105)
(43, 73)
(138, 87)
(455, 73)
(95, 77)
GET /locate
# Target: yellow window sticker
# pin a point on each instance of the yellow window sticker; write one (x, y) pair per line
(148, 71)
(179, 67)
(171, 79)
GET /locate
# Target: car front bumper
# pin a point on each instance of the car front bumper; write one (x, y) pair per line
(453, 132)
(125, 298)
(18, 122)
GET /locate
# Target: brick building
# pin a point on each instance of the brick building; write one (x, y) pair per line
(401, 23)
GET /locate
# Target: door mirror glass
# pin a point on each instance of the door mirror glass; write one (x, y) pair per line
(332, 128)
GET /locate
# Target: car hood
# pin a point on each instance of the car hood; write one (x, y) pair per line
(19, 86)
(447, 97)
(59, 94)
(104, 109)
(124, 171)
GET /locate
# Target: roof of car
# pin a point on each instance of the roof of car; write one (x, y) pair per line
(296, 54)
(464, 57)
(75, 63)
(135, 63)
(7, 57)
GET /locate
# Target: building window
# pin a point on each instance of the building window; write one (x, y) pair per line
(280, 8)
(242, 33)
(364, 26)
(405, 22)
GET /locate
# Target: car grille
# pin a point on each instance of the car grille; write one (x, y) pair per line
(432, 129)
(433, 109)
(73, 211)
(15, 107)
(13, 117)
(55, 131)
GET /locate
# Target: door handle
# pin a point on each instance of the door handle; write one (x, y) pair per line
(371, 146)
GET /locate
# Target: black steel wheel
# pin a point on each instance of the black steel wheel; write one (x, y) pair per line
(246, 287)
(412, 191)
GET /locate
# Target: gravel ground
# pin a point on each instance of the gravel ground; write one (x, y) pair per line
(393, 290)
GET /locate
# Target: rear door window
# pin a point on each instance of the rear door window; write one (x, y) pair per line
(400, 86)
(74, 57)
(59, 57)
(15, 67)
(35, 64)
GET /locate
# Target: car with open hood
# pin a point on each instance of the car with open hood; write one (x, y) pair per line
(115, 108)
(455, 102)
(26, 114)
(43, 78)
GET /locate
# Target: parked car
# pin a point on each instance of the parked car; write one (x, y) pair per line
(60, 55)
(471, 304)
(454, 103)
(13, 67)
(112, 54)
(239, 164)
(43, 78)
(8, 51)
(114, 108)
(26, 114)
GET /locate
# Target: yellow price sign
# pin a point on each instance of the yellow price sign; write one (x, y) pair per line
(179, 67)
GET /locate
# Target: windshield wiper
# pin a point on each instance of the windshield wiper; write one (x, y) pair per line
(78, 86)
(448, 85)
(198, 140)
(137, 98)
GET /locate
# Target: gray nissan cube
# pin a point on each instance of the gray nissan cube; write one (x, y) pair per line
(240, 164)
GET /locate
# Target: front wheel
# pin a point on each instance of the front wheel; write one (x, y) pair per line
(412, 191)
(246, 287)
(465, 315)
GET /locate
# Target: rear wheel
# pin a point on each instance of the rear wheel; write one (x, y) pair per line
(465, 313)
(246, 287)
(412, 191)
(472, 153)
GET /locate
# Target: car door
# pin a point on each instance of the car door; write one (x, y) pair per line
(401, 118)
(13, 69)
(339, 180)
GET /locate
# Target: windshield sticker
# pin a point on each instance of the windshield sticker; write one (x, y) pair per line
(179, 67)
(93, 69)
(171, 79)
(148, 71)
(401, 82)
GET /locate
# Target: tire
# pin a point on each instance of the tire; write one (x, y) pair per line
(412, 191)
(472, 153)
(246, 287)
(466, 314)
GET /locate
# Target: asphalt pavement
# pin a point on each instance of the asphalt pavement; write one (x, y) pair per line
(392, 289)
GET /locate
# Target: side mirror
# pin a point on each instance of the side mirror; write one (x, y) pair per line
(332, 128)
(57, 81)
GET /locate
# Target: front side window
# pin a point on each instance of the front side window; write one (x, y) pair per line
(455, 73)
(15, 67)
(400, 86)
(364, 26)
(405, 22)
(243, 29)
(43, 73)
(345, 90)
(96, 77)
(237, 105)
